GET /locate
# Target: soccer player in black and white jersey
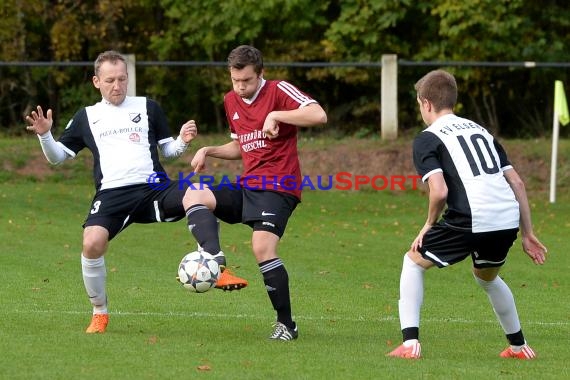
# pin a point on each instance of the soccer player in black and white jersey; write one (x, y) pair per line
(467, 170)
(125, 135)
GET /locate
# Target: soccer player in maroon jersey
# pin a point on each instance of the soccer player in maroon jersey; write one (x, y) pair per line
(468, 171)
(263, 116)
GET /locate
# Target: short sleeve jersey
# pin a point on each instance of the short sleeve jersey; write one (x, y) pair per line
(472, 162)
(123, 140)
(268, 164)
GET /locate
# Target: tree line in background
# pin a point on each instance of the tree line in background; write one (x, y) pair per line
(514, 102)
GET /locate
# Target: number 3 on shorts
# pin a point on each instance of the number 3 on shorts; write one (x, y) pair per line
(95, 208)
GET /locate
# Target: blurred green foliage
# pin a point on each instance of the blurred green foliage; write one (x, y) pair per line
(515, 102)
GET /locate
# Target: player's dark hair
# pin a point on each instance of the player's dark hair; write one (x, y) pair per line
(108, 56)
(439, 88)
(246, 55)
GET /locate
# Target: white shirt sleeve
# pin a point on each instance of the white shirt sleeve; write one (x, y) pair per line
(172, 148)
(53, 150)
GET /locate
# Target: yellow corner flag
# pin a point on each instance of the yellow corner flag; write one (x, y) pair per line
(560, 104)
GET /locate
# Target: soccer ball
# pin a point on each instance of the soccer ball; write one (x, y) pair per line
(198, 271)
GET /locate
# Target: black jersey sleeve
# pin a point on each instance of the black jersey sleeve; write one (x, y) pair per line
(157, 121)
(503, 159)
(426, 153)
(73, 137)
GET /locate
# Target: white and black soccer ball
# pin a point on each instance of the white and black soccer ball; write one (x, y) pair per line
(198, 271)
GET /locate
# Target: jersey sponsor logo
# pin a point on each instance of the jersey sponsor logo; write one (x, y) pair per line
(257, 144)
(255, 135)
(135, 137)
(264, 213)
(130, 130)
(135, 117)
(252, 141)
(236, 116)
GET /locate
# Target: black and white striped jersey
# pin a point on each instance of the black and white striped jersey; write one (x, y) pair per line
(124, 140)
(472, 161)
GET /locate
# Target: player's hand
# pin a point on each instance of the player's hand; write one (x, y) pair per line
(534, 249)
(198, 162)
(418, 241)
(271, 127)
(38, 123)
(188, 131)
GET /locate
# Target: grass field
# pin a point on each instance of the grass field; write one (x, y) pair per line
(343, 251)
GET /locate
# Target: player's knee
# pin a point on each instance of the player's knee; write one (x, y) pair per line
(264, 245)
(485, 274)
(95, 241)
(198, 196)
(93, 248)
(264, 250)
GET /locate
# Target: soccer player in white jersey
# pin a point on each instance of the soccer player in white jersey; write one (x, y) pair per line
(467, 170)
(125, 135)
(263, 116)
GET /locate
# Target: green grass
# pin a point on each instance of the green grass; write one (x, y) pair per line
(343, 251)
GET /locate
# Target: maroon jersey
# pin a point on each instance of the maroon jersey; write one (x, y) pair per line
(267, 164)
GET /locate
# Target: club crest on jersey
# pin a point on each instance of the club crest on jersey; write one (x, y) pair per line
(135, 117)
(236, 116)
(134, 137)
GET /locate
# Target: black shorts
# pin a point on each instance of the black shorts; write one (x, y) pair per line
(446, 246)
(115, 209)
(260, 209)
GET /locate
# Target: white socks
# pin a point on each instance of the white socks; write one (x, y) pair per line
(503, 303)
(411, 293)
(94, 278)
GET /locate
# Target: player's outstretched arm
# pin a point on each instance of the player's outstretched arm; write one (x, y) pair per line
(41, 125)
(531, 245)
(175, 148)
(38, 122)
(188, 131)
(229, 151)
